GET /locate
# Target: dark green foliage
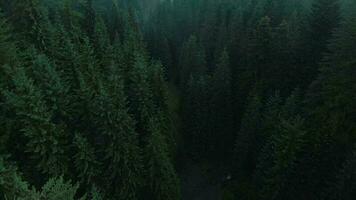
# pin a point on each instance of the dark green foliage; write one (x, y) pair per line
(11, 184)
(85, 160)
(58, 189)
(122, 162)
(77, 101)
(82, 101)
(7, 46)
(195, 116)
(324, 19)
(163, 181)
(344, 186)
(248, 136)
(221, 93)
(191, 61)
(46, 140)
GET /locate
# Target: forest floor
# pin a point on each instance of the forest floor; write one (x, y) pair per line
(201, 182)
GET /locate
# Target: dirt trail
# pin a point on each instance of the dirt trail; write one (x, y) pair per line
(199, 185)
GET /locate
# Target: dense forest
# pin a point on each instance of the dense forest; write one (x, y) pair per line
(177, 99)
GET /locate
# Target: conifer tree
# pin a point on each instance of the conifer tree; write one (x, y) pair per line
(101, 37)
(262, 51)
(122, 162)
(59, 189)
(85, 160)
(30, 21)
(191, 62)
(221, 105)
(12, 186)
(344, 186)
(7, 46)
(140, 92)
(196, 116)
(323, 20)
(160, 99)
(46, 140)
(53, 88)
(163, 180)
(89, 18)
(8, 58)
(282, 150)
(248, 136)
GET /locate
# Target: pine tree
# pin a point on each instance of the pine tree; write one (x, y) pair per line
(162, 178)
(122, 162)
(344, 186)
(95, 194)
(8, 57)
(191, 61)
(101, 37)
(282, 144)
(246, 146)
(31, 22)
(261, 52)
(88, 64)
(53, 88)
(334, 87)
(140, 93)
(221, 106)
(323, 20)
(46, 140)
(7, 46)
(12, 186)
(196, 116)
(85, 161)
(283, 148)
(331, 102)
(59, 189)
(65, 55)
(90, 18)
(161, 94)
(284, 59)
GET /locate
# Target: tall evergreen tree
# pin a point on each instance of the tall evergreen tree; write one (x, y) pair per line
(7, 46)
(46, 140)
(221, 106)
(246, 149)
(122, 162)
(163, 180)
(12, 186)
(192, 61)
(323, 20)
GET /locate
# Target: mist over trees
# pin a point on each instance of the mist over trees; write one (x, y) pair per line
(122, 99)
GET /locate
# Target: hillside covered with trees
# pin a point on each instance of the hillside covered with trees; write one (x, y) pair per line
(147, 99)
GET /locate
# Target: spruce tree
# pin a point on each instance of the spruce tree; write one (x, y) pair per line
(101, 37)
(12, 186)
(7, 46)
(59, 189)
(8, 58)
(261, 52)
(162, 179)
(191, 61)
(140, 93)
(196, 117)
(46, 140)
(122, 160)
(247, 137)
(323, 20)
(85, 161)
(344, 186)
(282, 151)
(221, 104)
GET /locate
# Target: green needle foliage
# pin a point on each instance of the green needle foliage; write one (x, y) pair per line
(177, 99)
